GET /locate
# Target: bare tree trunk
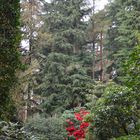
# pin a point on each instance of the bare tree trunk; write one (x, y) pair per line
(93, 60)
(101, 56)
(93, 45)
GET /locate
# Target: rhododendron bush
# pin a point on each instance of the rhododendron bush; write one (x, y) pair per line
(76, 126)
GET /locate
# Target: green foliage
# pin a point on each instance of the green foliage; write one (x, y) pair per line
(68, 114)
(129, 137)
(123, 33)
(9, 56)
(99, 89)
(132, 69)
(125, 24)
(65, 81)
(12, 131)
(120, 105)
(116, 112)
(97, 92)
(65, 85)
(46, 128)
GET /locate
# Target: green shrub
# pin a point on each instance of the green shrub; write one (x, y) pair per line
(116, 113)
(46, 128)
(12, 131)
(129, 137)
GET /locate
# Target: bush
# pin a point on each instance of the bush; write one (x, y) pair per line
(129, 137)
(46, 128)
(116, 113)
(12, 131)
(76, 123)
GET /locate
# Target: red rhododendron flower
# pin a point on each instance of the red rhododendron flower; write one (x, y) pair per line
(78, 116)
(78, 132)
(84, 125)
(71, 128)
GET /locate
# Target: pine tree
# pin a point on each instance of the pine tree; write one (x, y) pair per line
(98, 25)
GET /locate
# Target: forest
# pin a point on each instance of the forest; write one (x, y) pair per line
(69, 70)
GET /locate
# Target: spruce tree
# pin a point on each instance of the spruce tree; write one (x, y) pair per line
(65, 81)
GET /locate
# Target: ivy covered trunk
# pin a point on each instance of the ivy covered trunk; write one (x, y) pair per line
(9, 56)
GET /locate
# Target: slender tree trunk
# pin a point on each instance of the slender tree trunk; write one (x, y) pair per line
(30, 58)
(93, 45)
(101, 56)
(93, 60)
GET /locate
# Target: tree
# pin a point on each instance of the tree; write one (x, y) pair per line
(31, 22)
(123, 32)
(98, 26)
(31, 19)
(65, 79)
(131, 69)
(9, 56)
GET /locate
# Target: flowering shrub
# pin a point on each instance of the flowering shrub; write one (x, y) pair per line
(76, 126)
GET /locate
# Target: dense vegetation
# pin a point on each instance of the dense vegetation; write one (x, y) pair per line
(65, 82)
(77, 74)
(9, 55)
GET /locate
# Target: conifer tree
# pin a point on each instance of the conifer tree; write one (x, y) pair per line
(123, 32)
(65, 82)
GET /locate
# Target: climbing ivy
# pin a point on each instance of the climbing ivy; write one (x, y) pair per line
(9, 55)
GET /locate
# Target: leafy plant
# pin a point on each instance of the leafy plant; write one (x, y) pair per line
(132, 69)
(13, 131)
(46, 128)
(129, 137)
(116, 112)
(76, 125)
